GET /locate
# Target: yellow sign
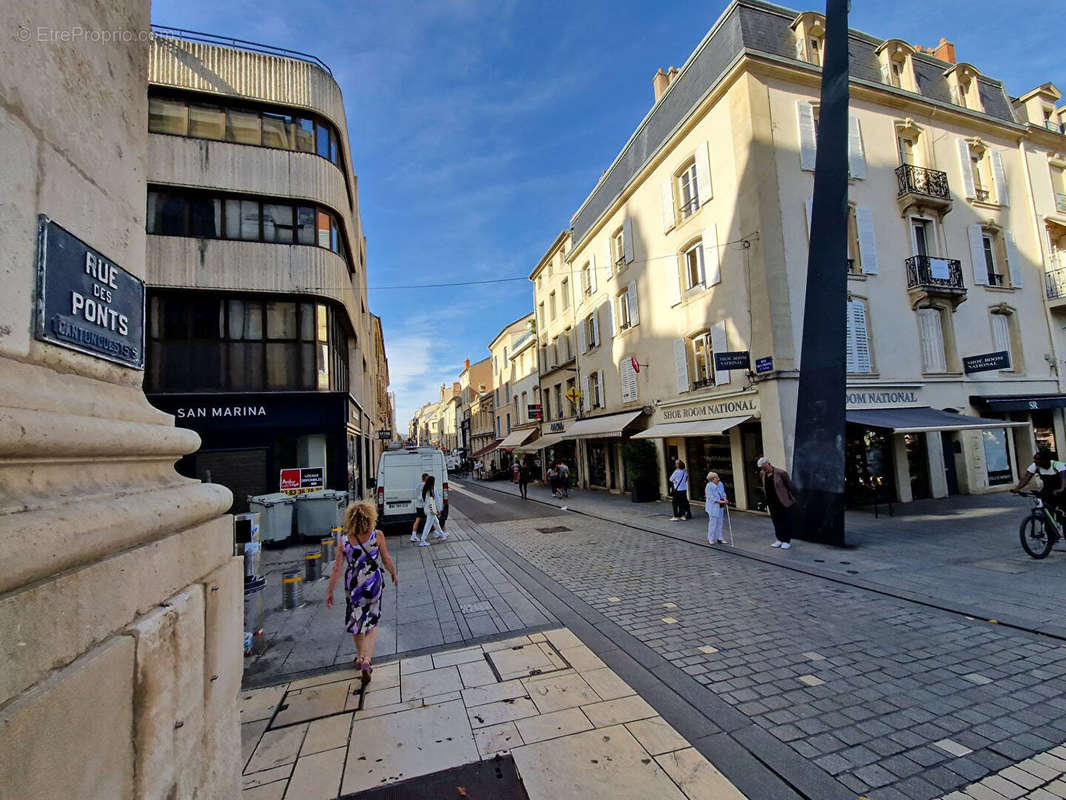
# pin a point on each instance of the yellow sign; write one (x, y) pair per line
(293, 492)
(572, 394)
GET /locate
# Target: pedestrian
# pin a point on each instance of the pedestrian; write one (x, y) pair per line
(780, 499)
(679, 492)
(432, 502)
(477, 470)
(553, 480)
(564, 479)
(516, 471)
(523, 480)
(715, 504)
(420, 511)
(365, 557)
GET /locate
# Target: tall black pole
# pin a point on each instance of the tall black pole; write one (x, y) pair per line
(818, 465)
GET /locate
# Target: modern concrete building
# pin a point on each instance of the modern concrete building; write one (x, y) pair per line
(120, 598)
(259, 336)
(694, 243)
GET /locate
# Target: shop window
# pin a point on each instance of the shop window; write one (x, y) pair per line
(997, 456)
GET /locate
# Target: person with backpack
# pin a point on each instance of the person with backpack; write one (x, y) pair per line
(679, 492)
(432, 503)
(564, 479)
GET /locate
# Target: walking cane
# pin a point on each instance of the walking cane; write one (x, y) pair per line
(729, 521)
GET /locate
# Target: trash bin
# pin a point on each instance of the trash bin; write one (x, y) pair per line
(246, 543)
(253, 605)
(317, 513)
(275, 515)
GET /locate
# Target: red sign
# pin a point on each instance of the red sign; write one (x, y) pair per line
(290, 479)
(636, 366)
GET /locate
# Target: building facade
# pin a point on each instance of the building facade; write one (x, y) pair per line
(384, 429)
(259, 337)
(694, 244)
(514, 376)
(120, 598)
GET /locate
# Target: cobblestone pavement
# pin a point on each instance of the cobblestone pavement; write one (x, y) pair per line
(893, 699)
(448, 593)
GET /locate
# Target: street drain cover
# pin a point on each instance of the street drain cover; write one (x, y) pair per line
(556, 529)
(496, 779)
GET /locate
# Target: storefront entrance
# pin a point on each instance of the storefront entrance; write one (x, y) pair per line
(868, 466)
(709, 454)
(597, 455)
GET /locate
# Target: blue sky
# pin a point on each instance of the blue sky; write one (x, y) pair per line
(479, 126)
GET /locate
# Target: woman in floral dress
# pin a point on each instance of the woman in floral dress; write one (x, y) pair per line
(366, 558)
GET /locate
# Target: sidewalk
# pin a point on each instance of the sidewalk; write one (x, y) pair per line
(961, 553)
(541, 709)
(448, 593)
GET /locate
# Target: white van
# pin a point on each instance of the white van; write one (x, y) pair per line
(399, 482)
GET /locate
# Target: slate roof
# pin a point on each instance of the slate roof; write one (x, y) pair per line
(766, 28)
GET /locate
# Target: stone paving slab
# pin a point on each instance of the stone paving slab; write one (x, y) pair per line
(577, 743)
(859, 686)
(449, 593)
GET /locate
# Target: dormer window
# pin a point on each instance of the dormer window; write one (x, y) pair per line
(897, 69)
(809, 28)
(1037, 107)
(962, 78)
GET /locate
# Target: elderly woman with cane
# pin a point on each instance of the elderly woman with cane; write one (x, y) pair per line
(715, 506)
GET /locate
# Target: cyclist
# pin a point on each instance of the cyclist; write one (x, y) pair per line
(1051, 472)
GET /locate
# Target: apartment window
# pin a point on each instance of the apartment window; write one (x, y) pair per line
(547, 402)
(1003, 337)
(540, 283)
(243, 125)
(693, 267)
(523, 407)
(688, 193)
(570, 384)
(559, 401)
(702, 361)
(895, 73)
(540, 313)
(586, 278)
(497, 397)
(1058, 187)
(508, 423)
(551, 305)
(618, 249)
(931, 337)
(977, 172)
(854, 267)
(569, 343)
(814, 47)
(565, 290)
(595, 391)
(625, 319)
(859, 359)
(507, 393)
(592, 330)
(908, 149)
(498, 436)
(988, 245)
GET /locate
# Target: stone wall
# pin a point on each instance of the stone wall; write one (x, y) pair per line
(120, 600)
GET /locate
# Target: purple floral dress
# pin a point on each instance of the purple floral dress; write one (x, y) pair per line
(363, 581)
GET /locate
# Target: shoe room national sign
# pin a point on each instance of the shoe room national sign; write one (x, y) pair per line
(85, 301)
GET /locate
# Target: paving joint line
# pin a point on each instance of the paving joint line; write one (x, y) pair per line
(909, 597)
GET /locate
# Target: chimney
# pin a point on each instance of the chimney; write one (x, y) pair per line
(659, 83)
(466, 364)
(945, 51)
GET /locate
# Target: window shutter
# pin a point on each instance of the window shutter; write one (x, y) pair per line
(964, 165)
(719, 345)
(628, 379)
(666, 198)
(1014, 261)
(799, 50)
(674, 281)
(711, 265)
(609, 262)
(581, 345)
(856, 157)
(999, 179)
(885, 75)
(634, 312)
(627, 240)
(681, 365)
(808, 204)
(592, 272)
(599, 389)
(932, 340)
(807, 134)
(701, 265)
(586, 401)
(977, 253)
(595, 329)
(864, 222)
(859, 347)
(612, 317)
(703, 174)
(1001, 336)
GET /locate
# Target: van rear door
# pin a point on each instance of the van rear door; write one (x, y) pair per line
(400, 475)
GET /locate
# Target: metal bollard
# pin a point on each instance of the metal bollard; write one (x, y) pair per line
(292, 593)
(312, 566)
(329, 547)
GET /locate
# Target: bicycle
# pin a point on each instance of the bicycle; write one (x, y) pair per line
(1041, 529)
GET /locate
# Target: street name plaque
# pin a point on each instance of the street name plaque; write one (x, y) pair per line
(85, 301)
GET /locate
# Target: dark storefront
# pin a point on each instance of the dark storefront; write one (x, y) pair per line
(249, 438)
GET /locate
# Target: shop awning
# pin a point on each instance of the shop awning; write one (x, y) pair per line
(516, 438)
(700, 427)
(922, 420)
(606, 427)
(484, 451)
(1018, 402)
(547, 440)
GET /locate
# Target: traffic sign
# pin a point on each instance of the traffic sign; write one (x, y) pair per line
(573, 395)
(385, 434)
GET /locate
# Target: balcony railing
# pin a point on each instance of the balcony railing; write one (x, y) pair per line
(981, 194)
(702, 383)
(1055, 282)
(919, 180)
(1060, 202)
(926, 272)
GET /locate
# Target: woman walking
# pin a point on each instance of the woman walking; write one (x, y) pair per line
(715, 505)
(679, 492)
(366, 558)
(432, 503)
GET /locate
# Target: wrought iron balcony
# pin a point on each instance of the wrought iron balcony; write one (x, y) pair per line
(929, 276)
(1055, 283)
(702, 383)
(919, 180)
